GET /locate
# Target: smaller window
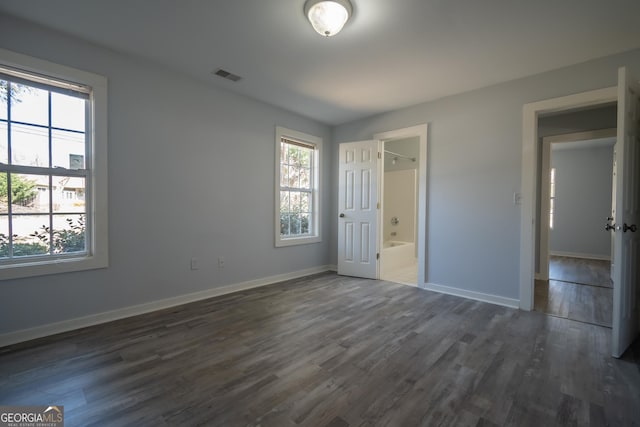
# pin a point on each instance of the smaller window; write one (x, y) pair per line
(297, 213)
(552, 198)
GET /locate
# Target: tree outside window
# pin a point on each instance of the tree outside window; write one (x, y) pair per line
(297, 189)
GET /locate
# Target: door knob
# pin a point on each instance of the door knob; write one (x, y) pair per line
(610, 227)
(341, 215)
(609, 218)
(632, 228)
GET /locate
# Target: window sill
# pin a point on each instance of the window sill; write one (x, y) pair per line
(42, 268)
(293, 241)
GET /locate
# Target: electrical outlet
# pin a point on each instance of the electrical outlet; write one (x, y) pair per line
(220, 262)
(195, 264)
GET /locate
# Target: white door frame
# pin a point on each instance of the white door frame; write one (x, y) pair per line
(543, 247)
(528, 214)
(420, 131)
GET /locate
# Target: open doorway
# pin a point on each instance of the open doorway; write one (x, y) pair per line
(360, 199)
(405, 155)
(399, 205)
(626, 270)
(575, 250)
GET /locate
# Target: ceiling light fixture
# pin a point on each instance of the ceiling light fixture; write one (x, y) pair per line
(328, 17)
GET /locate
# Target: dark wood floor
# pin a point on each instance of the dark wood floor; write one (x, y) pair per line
(329, 351)
(591, 304)
(579, 289)
(583, 271)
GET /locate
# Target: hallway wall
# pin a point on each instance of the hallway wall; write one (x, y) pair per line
(582, 202)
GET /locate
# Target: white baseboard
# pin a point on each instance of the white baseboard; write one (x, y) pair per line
(135, 310)
(580, 255)
(478, 296)
(332, 267)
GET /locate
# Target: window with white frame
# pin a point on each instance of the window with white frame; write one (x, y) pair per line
(297, 199)
(52, 168)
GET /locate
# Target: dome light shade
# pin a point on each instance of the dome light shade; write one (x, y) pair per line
(327, 17)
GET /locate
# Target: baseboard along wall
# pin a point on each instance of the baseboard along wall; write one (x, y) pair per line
(478, 296)
(135, 310)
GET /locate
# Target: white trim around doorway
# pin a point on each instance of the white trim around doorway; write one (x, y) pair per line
(420, 131)
(528, 215)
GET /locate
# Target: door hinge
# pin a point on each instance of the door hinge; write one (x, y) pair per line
(378, 255)
(378, 205)
(379, 155)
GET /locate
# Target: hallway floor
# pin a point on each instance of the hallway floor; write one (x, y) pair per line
(582, 271)
(578, 289)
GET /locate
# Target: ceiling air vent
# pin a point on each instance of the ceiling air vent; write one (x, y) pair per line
(226, 75)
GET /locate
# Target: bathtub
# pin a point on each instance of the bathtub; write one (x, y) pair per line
(395, 255)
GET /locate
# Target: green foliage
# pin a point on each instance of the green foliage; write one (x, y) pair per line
(20, 249)
(25, 249)
(22, 190)
(66, 240)
(294, 223)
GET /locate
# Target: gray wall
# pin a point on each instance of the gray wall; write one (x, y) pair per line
(583, 201)
(579, 121)
(191, 174)
(474, 168)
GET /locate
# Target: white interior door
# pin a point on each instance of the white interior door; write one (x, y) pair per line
(358, 209)
(610, 223)
(627, 240)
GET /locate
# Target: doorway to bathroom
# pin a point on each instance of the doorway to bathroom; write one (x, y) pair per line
(366, 247)
(399, 206)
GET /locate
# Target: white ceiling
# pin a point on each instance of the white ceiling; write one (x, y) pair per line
(392, 54)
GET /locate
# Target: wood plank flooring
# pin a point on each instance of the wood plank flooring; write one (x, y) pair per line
(579, 289)
(330, 351)
(577, 270)
(591, 304)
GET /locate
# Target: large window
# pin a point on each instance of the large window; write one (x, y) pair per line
(297, 187)
(51, 181)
